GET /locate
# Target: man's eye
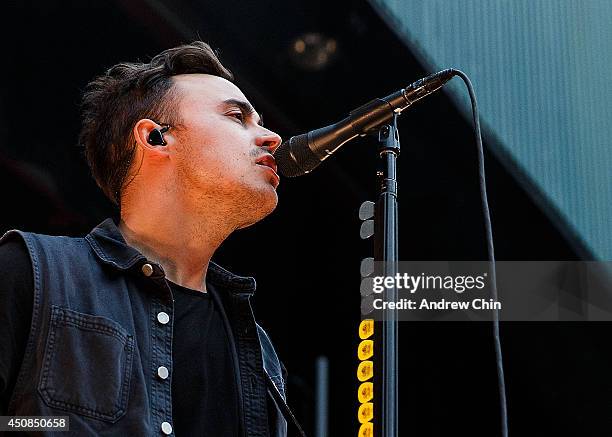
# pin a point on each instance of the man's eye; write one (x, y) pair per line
(238, 115)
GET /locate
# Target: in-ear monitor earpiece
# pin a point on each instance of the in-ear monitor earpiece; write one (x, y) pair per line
(156, 136)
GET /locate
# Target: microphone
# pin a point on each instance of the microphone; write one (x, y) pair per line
(303, 153)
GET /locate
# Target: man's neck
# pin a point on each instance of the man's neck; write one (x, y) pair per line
(182, 246)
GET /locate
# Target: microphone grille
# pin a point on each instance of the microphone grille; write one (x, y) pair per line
(294, 157)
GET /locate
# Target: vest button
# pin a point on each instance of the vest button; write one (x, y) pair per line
(147, 269)
(162, 372)
(166, 428)
(163, 318)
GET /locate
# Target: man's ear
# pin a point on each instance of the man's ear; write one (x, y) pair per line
(151, 136)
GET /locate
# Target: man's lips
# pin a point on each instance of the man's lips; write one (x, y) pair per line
(268, 161)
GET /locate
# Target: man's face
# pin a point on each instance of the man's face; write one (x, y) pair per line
(223, 153)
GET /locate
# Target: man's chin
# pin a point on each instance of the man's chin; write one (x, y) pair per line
(266, 205)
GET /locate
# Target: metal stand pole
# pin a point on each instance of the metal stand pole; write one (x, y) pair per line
(386, 251)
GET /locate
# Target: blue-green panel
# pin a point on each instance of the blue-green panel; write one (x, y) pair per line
(542, 71)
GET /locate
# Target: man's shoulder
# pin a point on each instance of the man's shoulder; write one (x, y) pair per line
(16, 277)
(14, 256)
(26, 238)
(24, 248)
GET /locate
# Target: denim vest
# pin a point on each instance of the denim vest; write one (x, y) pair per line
(102, 326)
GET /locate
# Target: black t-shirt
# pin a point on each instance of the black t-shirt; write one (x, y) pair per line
(204, 390)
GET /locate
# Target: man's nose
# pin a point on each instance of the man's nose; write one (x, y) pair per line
(269, 140)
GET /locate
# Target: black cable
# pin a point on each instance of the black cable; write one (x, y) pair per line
(282, 404)
(491, 253)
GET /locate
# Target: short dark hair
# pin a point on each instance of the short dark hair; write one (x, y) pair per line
(113, 103)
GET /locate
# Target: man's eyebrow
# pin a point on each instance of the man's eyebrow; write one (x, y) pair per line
(245, 107)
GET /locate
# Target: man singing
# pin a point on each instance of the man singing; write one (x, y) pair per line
(133, 330)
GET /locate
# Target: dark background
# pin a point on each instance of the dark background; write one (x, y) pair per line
(306, 255)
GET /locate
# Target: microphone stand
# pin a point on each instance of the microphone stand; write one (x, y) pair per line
(386, 253)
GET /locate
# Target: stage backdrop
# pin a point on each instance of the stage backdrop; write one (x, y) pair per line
(541, 71)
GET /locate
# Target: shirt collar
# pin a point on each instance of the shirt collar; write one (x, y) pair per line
(111, 248)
